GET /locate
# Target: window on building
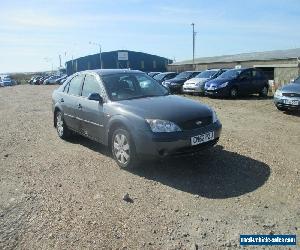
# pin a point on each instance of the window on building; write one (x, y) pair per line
(142, 64)
(154, 64)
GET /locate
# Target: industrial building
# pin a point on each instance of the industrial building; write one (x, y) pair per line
(279, 65)
(119, 59)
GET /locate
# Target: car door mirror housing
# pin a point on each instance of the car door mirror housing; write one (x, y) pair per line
(95, 97)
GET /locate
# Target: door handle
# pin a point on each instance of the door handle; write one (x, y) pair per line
(79, 106)
(62, 100)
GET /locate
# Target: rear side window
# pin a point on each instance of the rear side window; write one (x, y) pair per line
(75, 84)
(257, 74)
(91, 85)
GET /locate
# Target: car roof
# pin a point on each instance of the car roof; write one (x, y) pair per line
(103, 72)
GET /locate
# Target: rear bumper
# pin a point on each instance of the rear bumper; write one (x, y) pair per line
(159, 145)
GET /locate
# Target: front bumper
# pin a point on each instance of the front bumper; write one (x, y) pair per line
(159, 145)
(192, 88)
(281, 102)
(220, 92)
(175, 88)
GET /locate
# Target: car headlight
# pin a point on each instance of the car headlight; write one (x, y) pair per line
(278, 93)
(223, 85)
(214, 116)
(159, 126)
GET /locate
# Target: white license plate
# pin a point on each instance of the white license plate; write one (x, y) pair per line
(198, 139)
(291, 102)
(211, 88)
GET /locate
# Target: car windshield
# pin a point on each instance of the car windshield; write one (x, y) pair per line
(206, 74)
(233, 73)
(128, 86)
(184, 75)
(160, 76)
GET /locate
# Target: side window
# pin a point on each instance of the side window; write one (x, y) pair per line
(91, 85)
(247, 74)
(75, 84)
(256, 74)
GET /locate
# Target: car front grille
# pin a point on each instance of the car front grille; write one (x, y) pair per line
(291, 94)
(196, 123)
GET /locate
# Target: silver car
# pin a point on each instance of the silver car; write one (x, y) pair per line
(288, 96)
(196, 84)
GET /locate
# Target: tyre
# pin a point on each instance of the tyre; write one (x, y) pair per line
(233, 93)
(61, 128)
(123, 149)
(264, 91)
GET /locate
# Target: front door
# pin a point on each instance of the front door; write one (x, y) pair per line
(90, 112)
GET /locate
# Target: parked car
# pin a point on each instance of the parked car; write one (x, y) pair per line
(196, 84)
(152, 74)
(39, 80)
(61, 79)
(50, 80)
(175, 84)
(237, 82)
(133, 115)
(6, 80)
(32, 79)
(165, 76)
(288, 96)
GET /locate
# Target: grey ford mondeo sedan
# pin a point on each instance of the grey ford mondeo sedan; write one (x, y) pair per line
(133, 115)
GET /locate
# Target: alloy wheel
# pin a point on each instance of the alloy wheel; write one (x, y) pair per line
(59, 124)
(121, 148)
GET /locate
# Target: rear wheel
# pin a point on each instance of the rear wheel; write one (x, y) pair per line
(264, 91)
(233, 93)
(123, 149)
(61, 128)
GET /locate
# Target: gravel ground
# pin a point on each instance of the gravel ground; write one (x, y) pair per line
(69, 194)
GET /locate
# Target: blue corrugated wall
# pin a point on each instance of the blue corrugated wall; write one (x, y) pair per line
(136, 60)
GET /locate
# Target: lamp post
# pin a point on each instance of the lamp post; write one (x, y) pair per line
(194, 33)
(100, 52)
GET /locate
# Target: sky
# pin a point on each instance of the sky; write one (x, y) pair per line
(33, 33)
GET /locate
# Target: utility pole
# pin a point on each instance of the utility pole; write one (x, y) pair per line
(100, 52)
(194, 33)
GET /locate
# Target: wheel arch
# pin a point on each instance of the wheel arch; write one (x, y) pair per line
(120, 122)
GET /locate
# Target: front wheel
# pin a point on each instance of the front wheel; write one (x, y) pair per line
(123, 149)
(61, 128)
(233, 93)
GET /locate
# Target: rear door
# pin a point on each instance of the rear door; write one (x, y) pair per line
(69, 101)
(245, 82)
(90, 112)
(259, 81)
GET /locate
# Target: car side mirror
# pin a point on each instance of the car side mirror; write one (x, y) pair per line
(95, 97)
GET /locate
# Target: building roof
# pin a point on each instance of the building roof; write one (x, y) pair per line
(103, 72)
(254, 56)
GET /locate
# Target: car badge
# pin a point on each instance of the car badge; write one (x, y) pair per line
(198, 123)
